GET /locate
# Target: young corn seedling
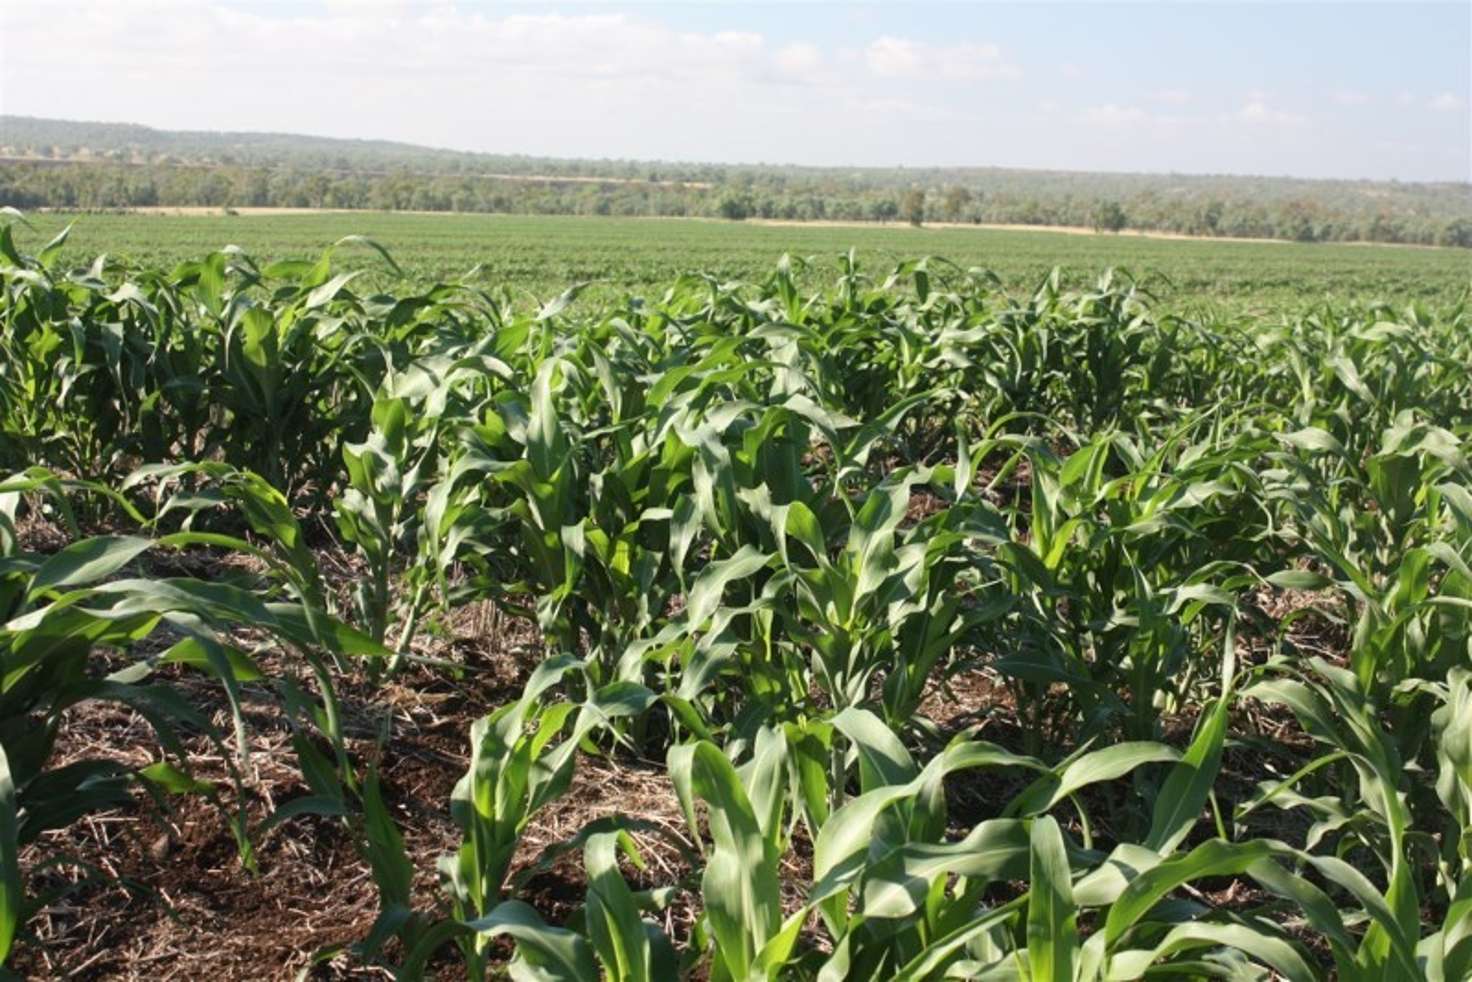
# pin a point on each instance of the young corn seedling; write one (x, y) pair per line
(379, 512)
(518, 765)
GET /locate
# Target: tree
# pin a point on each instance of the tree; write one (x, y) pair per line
(1458, 232)
(1209, 218)
(1109, 217)
(884, 209)
(733, 206)
(913, 207)
(213, 190)
(956, 199)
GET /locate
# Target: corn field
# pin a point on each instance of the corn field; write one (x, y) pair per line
(969, 634)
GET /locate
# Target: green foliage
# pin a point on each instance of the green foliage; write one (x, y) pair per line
(94, 166)
(761, 529)
(1109, 216)
(630, 255)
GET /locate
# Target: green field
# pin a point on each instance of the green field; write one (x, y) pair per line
(546, 253)
(766, 630)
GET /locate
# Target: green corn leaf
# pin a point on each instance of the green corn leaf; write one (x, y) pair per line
(1318, 909)
(392, 871)
(1284, 957)
(1212, 858)
(1101, 886)
(12, 899)
(897, 883)
(1313, 438)
(931, 962)
(848, 833)
(710, 586)
(557, 953)
(87, 562)
(1091, 768)
(1052, 928)
(883, 759)
(173, 780)
(740, 886)
(1181, 798)
(328, 291)
(617, 933)
(1299, 579)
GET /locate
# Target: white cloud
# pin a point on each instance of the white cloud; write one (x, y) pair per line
(910, 110)
(1257, 111)
(594, 82)
(401, 45)
(632, 81)
(1351, 97)
(901, 58)
(1445, 102)
(433, 41)
(1111, 114)
(799, 59)
(438, 73)
(1136, 119)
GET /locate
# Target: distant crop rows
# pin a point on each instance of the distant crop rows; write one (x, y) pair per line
(539, 256)
(974, 632)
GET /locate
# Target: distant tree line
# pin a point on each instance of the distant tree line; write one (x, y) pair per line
(60, 164)
(103, 186)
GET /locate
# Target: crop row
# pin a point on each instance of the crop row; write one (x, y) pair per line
(761, 532)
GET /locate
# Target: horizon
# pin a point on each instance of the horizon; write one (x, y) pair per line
(1317, 91)
(755, 164)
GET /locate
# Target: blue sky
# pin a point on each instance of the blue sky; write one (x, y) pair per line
(1310, 89)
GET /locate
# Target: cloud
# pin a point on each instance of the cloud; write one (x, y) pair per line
(1111, 114)
(901, 58)
(799, 59)
(1445, 102)
(634, 81)
(910, 110)
(1126, 117)
(1258, 112)
(1351, 97)
(433, 40)
(590, 82)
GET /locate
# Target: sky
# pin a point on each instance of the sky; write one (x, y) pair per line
(1314, 89)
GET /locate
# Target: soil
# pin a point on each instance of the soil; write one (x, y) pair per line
(159, 890)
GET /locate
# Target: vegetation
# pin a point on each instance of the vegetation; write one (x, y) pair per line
(59, 164)
(1109, 217)
(539, 256)
(972, 633)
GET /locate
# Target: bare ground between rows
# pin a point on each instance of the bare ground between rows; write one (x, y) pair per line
(161, 893)
(173, 901)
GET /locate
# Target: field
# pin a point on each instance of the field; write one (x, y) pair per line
(896, 618)
(545, 254)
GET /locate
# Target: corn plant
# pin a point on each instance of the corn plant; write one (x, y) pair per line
(61, 612)
(515, 770)
(1372, 835)
(1128, 577)
(885, 879)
